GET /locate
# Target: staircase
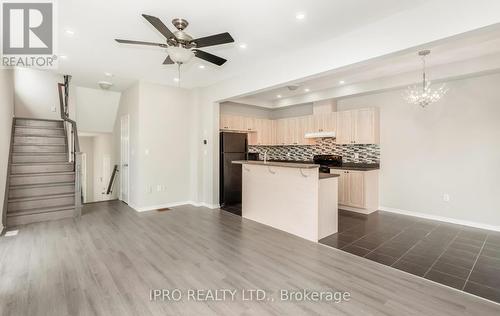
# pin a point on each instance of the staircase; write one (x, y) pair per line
(41, 180)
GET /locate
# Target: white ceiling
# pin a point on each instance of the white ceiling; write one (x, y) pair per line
(269, 28)
(472, 45)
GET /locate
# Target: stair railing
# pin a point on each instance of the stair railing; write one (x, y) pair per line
(75, 156)
(112, 180)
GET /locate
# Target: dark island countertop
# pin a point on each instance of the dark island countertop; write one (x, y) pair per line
(345, 166)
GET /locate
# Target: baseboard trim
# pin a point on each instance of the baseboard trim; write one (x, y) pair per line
(173, 204)
(355, 209)
(441, 218)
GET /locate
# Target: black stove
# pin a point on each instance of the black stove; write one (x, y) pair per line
(327, 161)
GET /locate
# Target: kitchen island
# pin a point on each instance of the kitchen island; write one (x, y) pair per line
(292, 197)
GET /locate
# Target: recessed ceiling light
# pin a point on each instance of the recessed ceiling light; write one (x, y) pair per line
(176, 79)
(201, 66)
(341, 81)
(307, 89)
(243, 45)
(278, 96)
(63, 56)
(300, 16)
(70, 32)
(108, 74)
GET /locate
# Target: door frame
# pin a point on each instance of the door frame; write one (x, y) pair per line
(125, 119)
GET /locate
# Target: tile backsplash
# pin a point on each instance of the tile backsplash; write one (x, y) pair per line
(324, 146)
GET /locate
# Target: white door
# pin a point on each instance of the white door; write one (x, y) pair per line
(124, 158)
(106, 176)
(84, 177)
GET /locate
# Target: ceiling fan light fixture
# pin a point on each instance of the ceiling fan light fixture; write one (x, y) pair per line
(180, 55)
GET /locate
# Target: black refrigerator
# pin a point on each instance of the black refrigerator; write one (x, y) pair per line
(233, 146)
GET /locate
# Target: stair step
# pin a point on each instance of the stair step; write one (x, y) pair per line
(39, 215)
(39, 148)
(38, 123)
(33, 190)
(31, 203)
(39, 157)
(23, 168)
(32, 130)
(39, 140)
(42, 178)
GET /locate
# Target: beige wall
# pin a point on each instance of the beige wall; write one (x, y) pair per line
(6, 114)
(103, 147)
(452, 147)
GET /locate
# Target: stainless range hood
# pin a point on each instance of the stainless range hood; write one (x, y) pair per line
(320, 135)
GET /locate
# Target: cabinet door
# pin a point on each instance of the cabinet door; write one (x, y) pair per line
(304, 124)
(324, 122)
(281, 127)
(224, 121)
(292, 131)
(356, 188)
(249, 124)
(271, 132)
(344, 127)
(256, 137)
(365, 126)
(343, 185)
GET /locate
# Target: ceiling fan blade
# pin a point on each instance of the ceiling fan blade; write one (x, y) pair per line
(158, 24)
(222, 38)
(168, 61)
(140, 43)
(209, 57)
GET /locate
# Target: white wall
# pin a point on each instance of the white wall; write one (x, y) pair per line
(451, 147)
(96, 109)
(36, 94)
(162, 125)
(87, 147)
(6, 114)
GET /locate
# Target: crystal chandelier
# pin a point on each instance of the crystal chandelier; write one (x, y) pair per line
(425, 94)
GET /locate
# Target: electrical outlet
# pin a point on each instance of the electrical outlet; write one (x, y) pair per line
(53, 108)
(446, 197)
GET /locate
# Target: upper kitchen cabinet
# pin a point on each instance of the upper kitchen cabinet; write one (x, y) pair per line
(322, 123)
(232, 122)
(358, 126)
(265, 132)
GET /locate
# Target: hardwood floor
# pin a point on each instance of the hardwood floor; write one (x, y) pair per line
(107, 263)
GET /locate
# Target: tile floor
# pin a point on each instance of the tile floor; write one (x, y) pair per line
(462, 257)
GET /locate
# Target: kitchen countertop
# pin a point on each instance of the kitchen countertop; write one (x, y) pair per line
(299, 165)
(327, 175)
(345, 166)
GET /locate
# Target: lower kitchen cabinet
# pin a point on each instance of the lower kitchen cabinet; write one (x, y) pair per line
(358, 190)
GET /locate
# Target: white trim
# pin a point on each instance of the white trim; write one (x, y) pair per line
(441, 218)
(173, 204)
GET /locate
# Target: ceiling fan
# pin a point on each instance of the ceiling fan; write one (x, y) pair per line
(181, 47)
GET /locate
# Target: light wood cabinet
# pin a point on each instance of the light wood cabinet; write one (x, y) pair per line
(264, 132)
(322, 123)
(352, 127)
(358, 126)
(358, 190)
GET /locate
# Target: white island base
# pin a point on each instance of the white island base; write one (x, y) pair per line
(291, 197)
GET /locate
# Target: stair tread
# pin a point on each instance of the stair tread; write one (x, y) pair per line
(42, 210)
(39, 144)
(41, 185)
(40, 163)
(43, 197)
(37, 174)
(38, 127)
(38, 154)
(39, 135)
